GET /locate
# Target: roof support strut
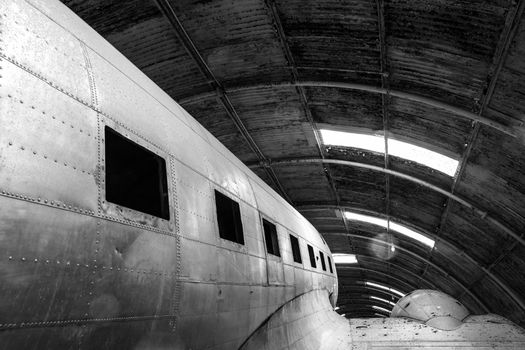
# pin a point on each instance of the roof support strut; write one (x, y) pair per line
(220, 93)
(481, 213)
(514, 130)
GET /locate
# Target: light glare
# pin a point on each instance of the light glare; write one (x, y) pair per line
(380, 308)
(383, 300)
(344, 258)
(380, 286)
(397, 148)
(393, 226)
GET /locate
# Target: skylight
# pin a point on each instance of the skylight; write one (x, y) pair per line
(380, 286)
(383, 300)
(393, 226)
(376, 143)
(344, 258)
(381, 309)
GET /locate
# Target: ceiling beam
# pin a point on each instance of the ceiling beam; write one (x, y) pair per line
(385, 100)
(365, 303)
(396, 266)
(508, 33)
(514, 130)
(512, 22)
(219, 91)
(417, 256)
(274, 13)
(481, 213)
(485, 270)
(363, 287)
(410, 286)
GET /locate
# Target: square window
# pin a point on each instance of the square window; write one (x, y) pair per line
(312, 256)
(323, 263)
(295, 249)
(270, 236)
(135, 176)
(330, 264)
(229, 218)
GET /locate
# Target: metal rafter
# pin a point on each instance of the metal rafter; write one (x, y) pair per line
(481, 213)
(507, 34)
(485, 270)
(220, 93)
(272, 6)
(389, 263)
(385, 100)
(417, 256)
(364, 289)
(363, 301)
(405, 283)
(514, 130)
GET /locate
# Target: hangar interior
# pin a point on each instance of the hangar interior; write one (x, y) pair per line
(395, 127)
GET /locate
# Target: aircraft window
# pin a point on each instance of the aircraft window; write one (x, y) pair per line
(323, 263)
(330, 264)
(229, 218)
(135, 176)
(270, 235)
(312, 256)
(295, 249)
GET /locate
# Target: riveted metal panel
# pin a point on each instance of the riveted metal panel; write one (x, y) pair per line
(196, 204)
(275, 270)
(199, 260)
(289, 274)
(49, 52)
(123, 247)
(196, 332)
(44, 265)
(232, 266)
(45, 132)
(140, 334)
(134, 272)
(233, 298)
(198, 299)
(252, 227)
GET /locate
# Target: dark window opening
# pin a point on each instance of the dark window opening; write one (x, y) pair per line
(135, 176)
(323, 264)
(295, 249)
(229, 218)
(270, 235)
(330, 264)
(312, 256)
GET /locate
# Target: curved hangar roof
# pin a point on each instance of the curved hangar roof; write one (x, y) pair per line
(281, 82)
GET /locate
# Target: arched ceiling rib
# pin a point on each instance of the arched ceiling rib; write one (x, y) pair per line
(482, 213)
(513, 130)
(264, 75)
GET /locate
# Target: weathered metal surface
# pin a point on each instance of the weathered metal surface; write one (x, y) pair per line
(441, 62)
(79, 272)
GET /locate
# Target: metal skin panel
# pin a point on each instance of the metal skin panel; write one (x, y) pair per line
(25, 42)
(253, 232)
(44, 264)
(139, 334)
(196, 205)
(49, 134)
(275, 270)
